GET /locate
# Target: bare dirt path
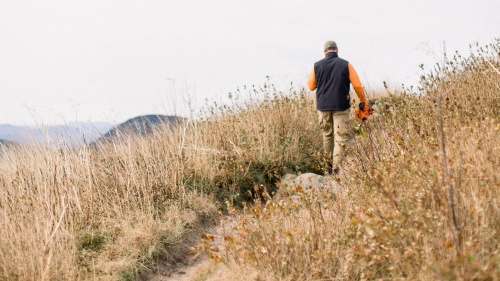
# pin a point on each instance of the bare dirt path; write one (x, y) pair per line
(201, 268)
(197, 266)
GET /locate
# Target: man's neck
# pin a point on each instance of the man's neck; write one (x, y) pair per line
(331, 53)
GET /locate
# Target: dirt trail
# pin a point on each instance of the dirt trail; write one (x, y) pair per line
(190, 267)
(200, 267)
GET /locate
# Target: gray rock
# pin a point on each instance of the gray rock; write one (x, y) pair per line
(292, 185)
(313, 181)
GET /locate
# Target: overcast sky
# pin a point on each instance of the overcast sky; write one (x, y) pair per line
(64, 60)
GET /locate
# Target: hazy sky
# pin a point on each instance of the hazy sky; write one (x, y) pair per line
(66, 60)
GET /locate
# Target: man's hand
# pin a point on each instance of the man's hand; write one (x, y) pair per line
(361, 106)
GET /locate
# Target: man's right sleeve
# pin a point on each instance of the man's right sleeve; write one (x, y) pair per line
(311, 81)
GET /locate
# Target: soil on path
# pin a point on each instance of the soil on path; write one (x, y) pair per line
(200, 268)
(194, 266)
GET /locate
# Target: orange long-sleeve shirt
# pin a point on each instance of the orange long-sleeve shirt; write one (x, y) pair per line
(353, 78)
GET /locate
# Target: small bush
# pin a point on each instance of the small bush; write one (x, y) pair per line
(92, 242)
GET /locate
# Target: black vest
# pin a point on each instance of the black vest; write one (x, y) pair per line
(332, 83)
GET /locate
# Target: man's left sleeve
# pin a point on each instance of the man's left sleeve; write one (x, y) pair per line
(356, 83)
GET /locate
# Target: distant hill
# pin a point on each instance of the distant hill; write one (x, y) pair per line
(72, 133)
(141, 125)
(76, 134)
(4, 142)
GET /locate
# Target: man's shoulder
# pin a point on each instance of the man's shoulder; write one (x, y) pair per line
(336, 58)
(344, 60)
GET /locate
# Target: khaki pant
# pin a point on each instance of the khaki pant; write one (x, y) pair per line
(334, 127)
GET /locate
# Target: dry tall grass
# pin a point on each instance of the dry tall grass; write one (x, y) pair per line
(422, 196)
(112, 211)
(69, 214)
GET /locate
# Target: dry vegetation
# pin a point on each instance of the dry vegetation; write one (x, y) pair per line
(422, 201)
(113, 211)
(80, 213)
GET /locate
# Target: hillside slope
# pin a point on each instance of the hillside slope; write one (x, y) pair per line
(421, 195)
(422, 192)
(141, 125)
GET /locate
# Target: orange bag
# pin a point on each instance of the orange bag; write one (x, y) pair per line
(363, 111)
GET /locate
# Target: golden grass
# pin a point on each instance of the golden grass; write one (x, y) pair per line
(79, 213)
(111, 211)
(404, 215)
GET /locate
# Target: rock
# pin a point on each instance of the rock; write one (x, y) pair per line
(291, 185)
(310, 181)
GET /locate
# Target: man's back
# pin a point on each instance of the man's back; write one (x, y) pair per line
(332, 80)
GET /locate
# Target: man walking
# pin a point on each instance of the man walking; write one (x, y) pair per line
(331, 77)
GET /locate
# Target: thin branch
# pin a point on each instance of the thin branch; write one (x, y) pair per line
(449, 187)
(493, 67)
(46, 249)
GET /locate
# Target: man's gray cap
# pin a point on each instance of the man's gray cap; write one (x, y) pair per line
(330, 44)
